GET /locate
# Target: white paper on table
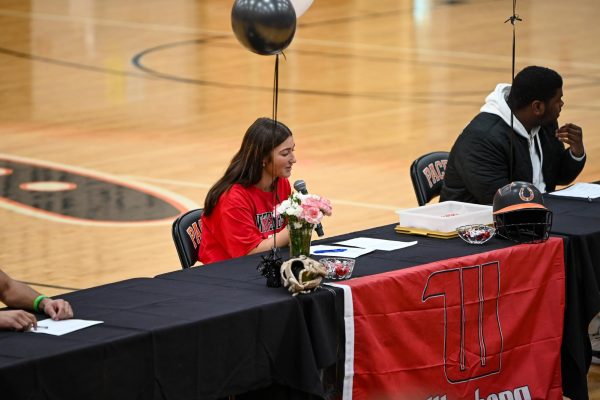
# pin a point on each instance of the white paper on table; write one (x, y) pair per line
(338, 251)
(59, 328)
(581, 190)
(377, 244)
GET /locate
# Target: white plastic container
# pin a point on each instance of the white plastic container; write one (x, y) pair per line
(446, 216)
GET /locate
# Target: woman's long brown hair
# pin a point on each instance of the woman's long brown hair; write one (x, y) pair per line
(246, 166)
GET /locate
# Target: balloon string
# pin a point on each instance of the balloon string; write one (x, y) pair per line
(276, 87)
(273, 185)
(512, 19)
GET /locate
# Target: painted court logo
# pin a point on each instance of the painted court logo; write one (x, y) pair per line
(75, 195)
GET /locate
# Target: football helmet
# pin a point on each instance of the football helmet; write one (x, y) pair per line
(520, 214)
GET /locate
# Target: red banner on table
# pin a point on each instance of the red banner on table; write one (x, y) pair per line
(482, 327)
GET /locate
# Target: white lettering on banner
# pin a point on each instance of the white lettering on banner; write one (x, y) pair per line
(520, 393)
(473, 340)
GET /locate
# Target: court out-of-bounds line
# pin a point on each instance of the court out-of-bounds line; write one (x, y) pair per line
(206, 186)
(436, 53)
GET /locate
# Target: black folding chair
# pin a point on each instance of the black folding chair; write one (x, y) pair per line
(427, 175)
(187, 235)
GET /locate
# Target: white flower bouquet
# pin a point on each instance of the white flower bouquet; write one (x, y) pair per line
(303, 212)
(300, 208)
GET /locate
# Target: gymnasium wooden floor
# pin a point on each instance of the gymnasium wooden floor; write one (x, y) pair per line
(160, 93)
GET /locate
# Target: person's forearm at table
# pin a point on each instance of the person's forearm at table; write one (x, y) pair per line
(16, 294)
(282, 239)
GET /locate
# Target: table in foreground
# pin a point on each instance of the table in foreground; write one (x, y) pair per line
(218, 330)
(177, 339)
(578, 220)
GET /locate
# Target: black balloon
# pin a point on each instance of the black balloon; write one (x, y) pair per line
(265, 27)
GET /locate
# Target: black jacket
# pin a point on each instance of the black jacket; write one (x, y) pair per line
(479, 160)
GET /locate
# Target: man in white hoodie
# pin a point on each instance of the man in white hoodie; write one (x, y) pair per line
(483, 158)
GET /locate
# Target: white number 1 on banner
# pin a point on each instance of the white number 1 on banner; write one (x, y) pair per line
(472, 333)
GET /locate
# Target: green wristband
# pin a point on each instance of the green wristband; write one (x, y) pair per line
(37, 301)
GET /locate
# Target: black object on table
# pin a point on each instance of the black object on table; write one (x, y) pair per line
(578, 220)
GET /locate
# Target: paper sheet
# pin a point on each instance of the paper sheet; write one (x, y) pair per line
(581, 190)
(377, 244)
(338, 251)
(59, 328)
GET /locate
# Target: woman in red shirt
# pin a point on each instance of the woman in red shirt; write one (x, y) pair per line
(238, 216)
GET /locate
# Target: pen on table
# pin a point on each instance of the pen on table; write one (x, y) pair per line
(329, 251)
(40, 327)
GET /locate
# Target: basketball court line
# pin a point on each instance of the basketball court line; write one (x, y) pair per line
(49, 286)
(148, 73)
(207, 186)
(325, 43)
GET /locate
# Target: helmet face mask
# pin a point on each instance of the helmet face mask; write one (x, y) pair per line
(524, 226)
(520, 214)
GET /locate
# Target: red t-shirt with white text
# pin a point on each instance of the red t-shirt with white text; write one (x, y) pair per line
(242, 218)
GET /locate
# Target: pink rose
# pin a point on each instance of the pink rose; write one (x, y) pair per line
(325, 206)
(311, 202)
(312, 215)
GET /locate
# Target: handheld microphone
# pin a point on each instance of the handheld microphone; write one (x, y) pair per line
(300, 186)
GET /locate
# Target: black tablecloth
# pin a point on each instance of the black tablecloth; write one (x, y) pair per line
(578, 220)
(200, 333)
(209, 332)
(176, 339)
(428, 250)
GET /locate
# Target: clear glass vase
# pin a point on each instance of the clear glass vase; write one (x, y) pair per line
(300, 237)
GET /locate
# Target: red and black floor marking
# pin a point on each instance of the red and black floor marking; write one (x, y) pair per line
(75, 195)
